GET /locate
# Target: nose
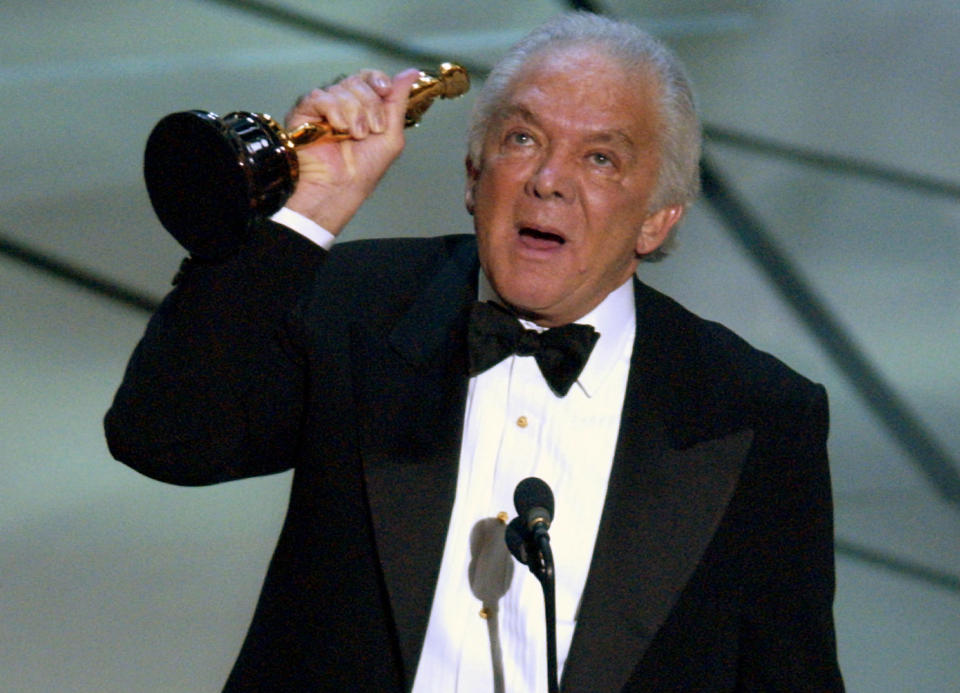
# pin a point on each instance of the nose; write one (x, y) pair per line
(552, 179)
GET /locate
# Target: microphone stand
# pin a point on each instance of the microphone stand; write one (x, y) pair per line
(529, 542)
(541, 565)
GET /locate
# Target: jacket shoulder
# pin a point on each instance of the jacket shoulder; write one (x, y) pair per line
(374, 282)
(382, 266)
(711, 375)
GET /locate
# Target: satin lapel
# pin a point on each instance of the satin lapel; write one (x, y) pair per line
(662, 508)
(411, 393)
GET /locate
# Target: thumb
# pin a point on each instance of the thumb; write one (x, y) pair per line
(396, 100)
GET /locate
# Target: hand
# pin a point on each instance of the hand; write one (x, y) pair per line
(337, 177)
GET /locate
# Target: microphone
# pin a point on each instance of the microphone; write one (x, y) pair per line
(533, 500)
(529, 542)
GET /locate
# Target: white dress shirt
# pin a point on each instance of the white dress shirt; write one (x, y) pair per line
(486, 632)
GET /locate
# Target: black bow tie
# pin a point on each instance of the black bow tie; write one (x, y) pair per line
(561, 352)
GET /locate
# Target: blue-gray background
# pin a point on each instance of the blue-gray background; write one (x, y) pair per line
(112, 582)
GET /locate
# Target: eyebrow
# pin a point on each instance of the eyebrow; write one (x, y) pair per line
(615, 136)
(516, 110)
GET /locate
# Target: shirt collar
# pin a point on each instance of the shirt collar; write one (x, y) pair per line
(614, 319)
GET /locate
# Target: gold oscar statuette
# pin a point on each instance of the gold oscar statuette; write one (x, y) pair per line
(209, 178)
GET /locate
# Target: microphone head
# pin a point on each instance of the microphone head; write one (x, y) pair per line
(534, 502)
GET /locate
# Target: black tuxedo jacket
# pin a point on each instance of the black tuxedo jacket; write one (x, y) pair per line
(713, 567)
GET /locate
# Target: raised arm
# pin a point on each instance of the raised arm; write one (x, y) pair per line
(214, 390)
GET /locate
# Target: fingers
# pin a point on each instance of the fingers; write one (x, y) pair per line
(368, 102)
(336, 177)
(355, 105)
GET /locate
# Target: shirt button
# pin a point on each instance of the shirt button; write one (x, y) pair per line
(522, 422)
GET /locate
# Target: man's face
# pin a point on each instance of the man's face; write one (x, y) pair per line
(560, 196)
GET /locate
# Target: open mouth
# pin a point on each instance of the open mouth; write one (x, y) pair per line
(541, 239)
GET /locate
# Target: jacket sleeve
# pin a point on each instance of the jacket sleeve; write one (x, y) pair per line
(214, 390)
(787, 640)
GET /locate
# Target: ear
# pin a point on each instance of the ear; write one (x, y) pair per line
(469, 197)
(656, 228)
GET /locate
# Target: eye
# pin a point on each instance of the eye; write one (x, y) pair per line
(520, 138)
(601, 159)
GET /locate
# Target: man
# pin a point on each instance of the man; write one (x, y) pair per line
(693, 536)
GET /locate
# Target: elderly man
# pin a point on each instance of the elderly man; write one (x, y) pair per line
(693, 537)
